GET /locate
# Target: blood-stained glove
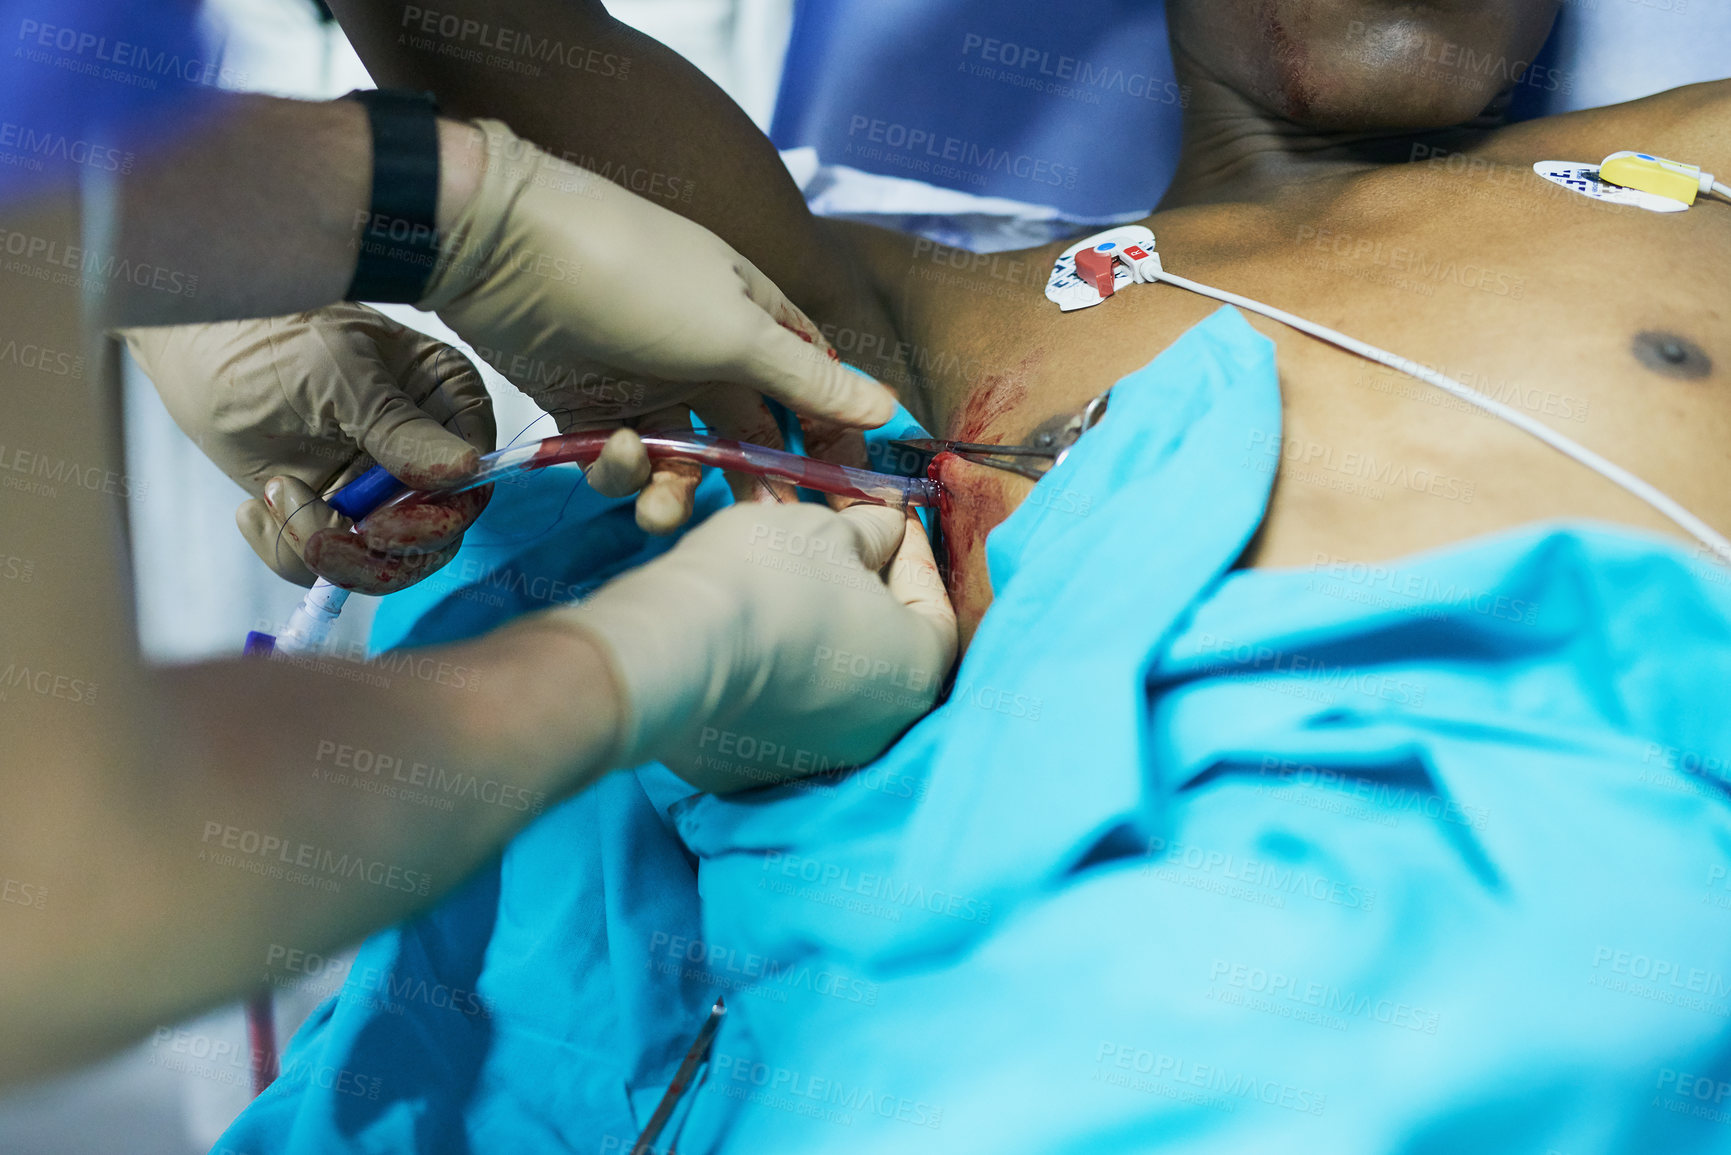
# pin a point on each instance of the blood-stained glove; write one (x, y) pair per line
(609, 310)
(766, 645)
(294, 408)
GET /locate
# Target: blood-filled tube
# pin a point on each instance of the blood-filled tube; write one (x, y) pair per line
(736, 456)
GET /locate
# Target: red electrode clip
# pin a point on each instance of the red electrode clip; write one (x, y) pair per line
(1095, 267)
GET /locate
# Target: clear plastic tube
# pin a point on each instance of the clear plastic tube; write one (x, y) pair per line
(737, 456)
(310, 626)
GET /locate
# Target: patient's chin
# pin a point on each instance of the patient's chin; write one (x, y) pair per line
(1400, 94)
(976, 499)
(1379, 75)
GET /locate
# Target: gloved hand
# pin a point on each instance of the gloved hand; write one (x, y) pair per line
(765, 645)
(294, 408)
(610, 310)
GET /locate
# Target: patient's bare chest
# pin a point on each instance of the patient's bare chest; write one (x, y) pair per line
(1613, 329)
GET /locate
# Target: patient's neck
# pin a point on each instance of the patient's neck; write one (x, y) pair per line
(1234, 150)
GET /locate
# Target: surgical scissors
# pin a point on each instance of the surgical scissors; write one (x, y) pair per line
(1050, 444)
(695, 1058)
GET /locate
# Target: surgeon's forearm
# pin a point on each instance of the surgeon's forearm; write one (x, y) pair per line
(583, 86)
(289, 806)
(253, 212)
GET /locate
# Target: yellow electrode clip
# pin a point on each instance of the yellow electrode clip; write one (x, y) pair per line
(1656, 175)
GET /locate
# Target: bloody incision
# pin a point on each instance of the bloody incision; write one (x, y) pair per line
(972, 500)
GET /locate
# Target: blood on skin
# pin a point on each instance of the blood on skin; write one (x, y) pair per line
(993, 399)
(972, 501)
(976, 499)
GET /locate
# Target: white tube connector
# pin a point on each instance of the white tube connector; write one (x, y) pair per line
(309, 627)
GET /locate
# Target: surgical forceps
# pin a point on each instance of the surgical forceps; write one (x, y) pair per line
(1043, 452)
(695, 1058)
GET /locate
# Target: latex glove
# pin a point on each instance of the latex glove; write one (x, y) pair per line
(609, 310)
(765, 645)
(294, 408)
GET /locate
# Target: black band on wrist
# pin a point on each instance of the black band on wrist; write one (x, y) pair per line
(399, 233)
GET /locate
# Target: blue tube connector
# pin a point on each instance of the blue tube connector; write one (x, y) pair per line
(365, 493)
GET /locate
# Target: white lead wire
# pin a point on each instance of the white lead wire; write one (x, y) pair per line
(1648, 493)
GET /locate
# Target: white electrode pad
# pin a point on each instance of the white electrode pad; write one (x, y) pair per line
(1070, 292)
(1584, 179)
